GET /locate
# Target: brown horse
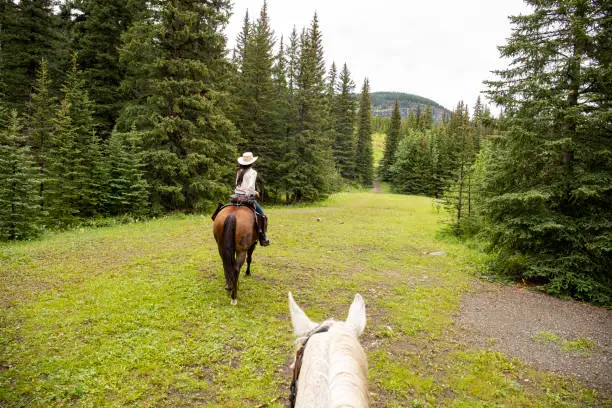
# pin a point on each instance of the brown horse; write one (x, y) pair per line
(236, 234)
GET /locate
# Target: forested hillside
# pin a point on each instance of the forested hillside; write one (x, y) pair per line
(382, 105)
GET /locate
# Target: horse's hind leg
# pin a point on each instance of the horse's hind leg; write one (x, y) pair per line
(249, 258)
(234, 288)
(240, 257)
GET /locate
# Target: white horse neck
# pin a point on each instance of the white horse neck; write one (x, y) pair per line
(334, 371)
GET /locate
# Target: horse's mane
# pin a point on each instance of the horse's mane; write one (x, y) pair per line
(334, 369)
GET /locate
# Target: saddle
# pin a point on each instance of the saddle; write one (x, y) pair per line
(261, 221)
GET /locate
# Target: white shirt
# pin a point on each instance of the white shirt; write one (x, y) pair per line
(247, 187)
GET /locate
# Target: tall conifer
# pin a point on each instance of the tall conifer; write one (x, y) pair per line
(176, 76)
(549, 194)
(97, 32)
(363, 160)
(344, 146)
(391, 142)
(41, 111)
(19, 186)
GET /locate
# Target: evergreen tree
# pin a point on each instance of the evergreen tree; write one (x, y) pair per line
(79, 109)
(176, 75)
(257, 100)
(364, 169)
(242, 40)
(391, 143)
(19, 199)
(42, 108)
(332, 77)
(293, 58)
(66, 170)
(310, 157)
(426, 121)
(98, 30)
(29, 33)
(412, 122)
(344, 145)
(126, 191)
(548, 191)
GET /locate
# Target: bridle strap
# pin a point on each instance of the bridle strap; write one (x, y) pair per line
(298, 363)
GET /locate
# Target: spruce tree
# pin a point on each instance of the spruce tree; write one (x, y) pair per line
(426, 121)
(19, 186)
(364, 167)
(79, 109)
(29, 33)
(257, 103)
(344, 145)
(67, 170)
(97, 32)
(176, 81)
(548, 191)
(391, 142)
(41, 111)
(412, 122)
(310, 176)
(126, 191)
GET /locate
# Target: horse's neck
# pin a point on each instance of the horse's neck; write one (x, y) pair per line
(334, 371)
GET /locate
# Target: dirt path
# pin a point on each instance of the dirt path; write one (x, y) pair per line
(376, 186)
(542, 331)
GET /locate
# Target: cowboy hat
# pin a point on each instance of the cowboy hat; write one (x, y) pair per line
(247, 158)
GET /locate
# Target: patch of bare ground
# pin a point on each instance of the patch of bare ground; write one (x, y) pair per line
(537, 329)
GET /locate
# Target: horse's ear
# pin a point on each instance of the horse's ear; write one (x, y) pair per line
(357, 315)
(301, 323)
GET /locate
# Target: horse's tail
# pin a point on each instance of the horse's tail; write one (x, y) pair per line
(229, 254)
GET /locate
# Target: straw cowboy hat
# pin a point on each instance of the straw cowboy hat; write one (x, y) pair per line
(247, 158)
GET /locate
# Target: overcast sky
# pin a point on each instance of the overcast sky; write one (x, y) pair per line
(439, 49)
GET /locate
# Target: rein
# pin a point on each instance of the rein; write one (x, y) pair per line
(298, 363)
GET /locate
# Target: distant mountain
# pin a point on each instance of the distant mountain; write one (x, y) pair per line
(382, 104)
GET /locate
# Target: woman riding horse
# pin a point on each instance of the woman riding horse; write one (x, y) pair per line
(236, 228)
(245, 188)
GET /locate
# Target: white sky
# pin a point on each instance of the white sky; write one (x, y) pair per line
(438, 49)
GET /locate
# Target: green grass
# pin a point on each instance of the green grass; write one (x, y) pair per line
(136, 314)
(579, 346)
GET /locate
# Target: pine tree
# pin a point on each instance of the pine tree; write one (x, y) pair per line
(19, 199)
(293, 57)
(241, 41)
(66, 170)
(29, 33)
(41, 110)
(98, 30)
(364, 167)
(391, 142)
(412, 122)
(311, 156)
(257, 100)
(426, 121)
(344, 145)
(126, 191)
(176, 81)
(79, 109)
(548, 191)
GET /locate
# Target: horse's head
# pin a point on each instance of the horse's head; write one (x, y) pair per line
(331, 367)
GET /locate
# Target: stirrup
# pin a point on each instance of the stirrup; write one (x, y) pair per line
(263, 240)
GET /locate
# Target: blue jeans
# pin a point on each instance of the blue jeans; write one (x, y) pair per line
(258, 208)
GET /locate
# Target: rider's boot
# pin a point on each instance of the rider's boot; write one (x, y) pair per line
(263, 227)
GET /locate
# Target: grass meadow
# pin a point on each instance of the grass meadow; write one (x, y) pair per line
(136, 315)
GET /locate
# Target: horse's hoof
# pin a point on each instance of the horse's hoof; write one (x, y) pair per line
(234, 302)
